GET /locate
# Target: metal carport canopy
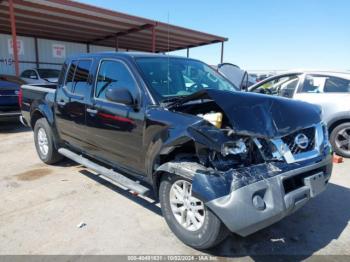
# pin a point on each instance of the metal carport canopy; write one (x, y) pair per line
(77, 22)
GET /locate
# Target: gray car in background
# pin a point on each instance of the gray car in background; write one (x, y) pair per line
(40, 76)
(329, 90)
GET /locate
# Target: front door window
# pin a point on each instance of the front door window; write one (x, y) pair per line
(280, 86)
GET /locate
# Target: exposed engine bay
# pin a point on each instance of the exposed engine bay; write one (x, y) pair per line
(232, 132)
(237, 150)
(231, 143)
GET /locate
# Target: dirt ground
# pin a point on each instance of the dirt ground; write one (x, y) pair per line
(42, 207)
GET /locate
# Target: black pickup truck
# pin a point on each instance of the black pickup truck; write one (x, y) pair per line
(217, 159)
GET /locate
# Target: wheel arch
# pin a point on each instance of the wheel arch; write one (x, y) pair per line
(35, 116)
(168, 154)
(337, 122)
(42, 112)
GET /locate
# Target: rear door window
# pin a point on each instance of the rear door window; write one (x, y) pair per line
(325, 84)
(69, 85)
(81, 77)
(336, 85)
(313, 84)
(77, 79)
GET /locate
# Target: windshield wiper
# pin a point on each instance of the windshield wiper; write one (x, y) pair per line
(177, 101)
(172, 100)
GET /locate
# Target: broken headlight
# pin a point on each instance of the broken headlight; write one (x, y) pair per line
(234, 148)
(241, 151)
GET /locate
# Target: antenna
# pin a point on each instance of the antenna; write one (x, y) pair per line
(168, 67)
(168, 32)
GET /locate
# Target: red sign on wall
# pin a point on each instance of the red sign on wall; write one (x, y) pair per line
(20, 46)
(58, 51)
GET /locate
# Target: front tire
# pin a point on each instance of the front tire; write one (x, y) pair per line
(200, 230)
(43, 138)
(340, 140)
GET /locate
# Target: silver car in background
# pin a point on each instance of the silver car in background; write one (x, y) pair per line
(329, 90)
(40, 76)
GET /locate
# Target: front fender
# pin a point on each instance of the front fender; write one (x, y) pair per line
(202, 134)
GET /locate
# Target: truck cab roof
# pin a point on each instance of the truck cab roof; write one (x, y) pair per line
(124, 55)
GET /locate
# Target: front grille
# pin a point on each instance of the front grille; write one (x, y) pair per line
(289, 140)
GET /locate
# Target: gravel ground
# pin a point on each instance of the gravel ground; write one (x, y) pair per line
(42, 207)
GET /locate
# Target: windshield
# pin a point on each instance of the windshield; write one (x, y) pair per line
(176, 77)
(48, 73)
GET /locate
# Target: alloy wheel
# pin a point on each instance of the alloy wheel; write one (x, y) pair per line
(187, 210)
(43, 141)
(342, 139)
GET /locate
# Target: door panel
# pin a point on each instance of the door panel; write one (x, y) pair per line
(71, 101)
(70, 117)
(116, 130)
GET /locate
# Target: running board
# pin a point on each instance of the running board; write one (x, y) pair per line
(108, 173)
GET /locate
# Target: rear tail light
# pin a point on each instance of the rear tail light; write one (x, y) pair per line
(20, 97)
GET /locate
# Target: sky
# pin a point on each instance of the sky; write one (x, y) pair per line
(263, 35)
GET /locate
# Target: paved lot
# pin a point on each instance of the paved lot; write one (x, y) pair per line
(41, 206)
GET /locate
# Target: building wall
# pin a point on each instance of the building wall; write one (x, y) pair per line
(6, 59)
(96, 48)
(46, 54)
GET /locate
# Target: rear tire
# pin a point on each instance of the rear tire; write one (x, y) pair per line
(43, 138)
(340, 139)
(211, 230)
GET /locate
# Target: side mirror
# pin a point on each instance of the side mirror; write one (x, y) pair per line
(120, 95)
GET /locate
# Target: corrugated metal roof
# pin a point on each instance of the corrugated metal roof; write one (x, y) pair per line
(77, 22)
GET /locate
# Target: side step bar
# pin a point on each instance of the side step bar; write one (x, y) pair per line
(109, 173)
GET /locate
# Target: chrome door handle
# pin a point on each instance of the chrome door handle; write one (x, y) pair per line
(91, 111)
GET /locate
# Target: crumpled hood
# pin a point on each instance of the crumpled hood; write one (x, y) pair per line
(261, 115)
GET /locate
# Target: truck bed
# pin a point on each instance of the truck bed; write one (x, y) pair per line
(36, 96)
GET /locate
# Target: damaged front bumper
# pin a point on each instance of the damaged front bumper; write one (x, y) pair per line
(251, 198)
(255, 206)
